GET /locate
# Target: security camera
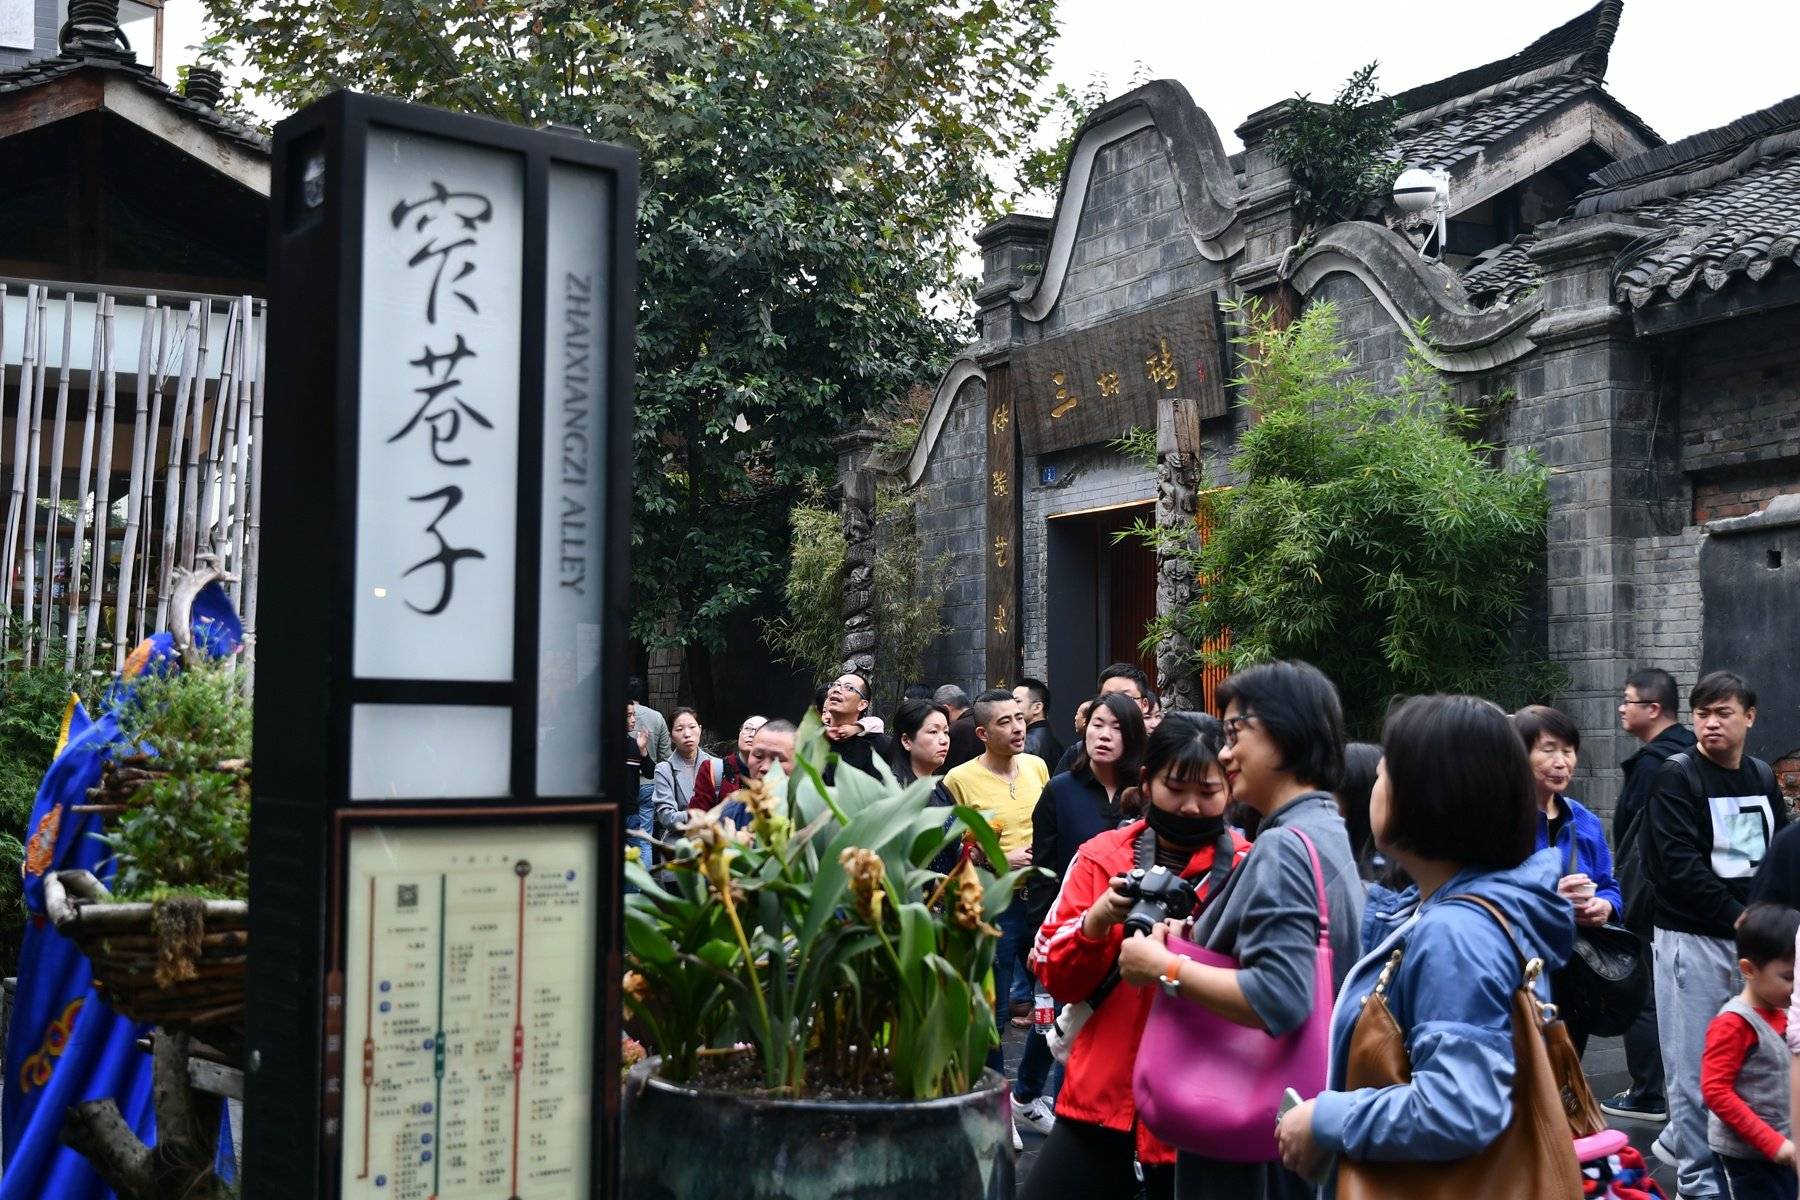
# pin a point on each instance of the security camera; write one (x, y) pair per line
(1418, 190)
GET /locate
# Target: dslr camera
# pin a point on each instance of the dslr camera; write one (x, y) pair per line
(1160, 895)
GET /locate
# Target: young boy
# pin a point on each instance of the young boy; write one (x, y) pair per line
(1744, 1069)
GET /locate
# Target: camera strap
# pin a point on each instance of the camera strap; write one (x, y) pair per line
(1144, 854)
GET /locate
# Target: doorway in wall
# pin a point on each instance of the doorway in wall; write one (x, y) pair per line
(1100, 596)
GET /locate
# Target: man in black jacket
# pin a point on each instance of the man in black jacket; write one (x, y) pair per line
(1040, 739)
(1647, 713)
(965, 743)
(1712, 814)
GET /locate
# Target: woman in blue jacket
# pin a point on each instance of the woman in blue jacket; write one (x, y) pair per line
(1452, 804)
(1551, 744)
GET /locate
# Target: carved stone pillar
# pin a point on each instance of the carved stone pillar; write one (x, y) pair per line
(857, 513)
(1178, 461)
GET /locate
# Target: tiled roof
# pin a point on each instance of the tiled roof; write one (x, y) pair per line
(50, 69)
(1504, 276)
(1587, 38)
(1742, 227)
(1446, 140)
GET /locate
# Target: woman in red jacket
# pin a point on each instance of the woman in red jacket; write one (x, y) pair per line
(1096, 1138)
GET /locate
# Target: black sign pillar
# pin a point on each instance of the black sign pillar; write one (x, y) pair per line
(436, 834)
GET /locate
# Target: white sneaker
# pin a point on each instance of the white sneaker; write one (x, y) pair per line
(1039, 1115)
(1664, 1153)
(1018, 1142)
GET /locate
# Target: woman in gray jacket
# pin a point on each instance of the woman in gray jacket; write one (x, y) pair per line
(674, 783)
(1283, 755)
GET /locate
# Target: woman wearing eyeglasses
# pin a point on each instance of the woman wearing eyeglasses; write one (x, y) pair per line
(1283, 755)
(717, 778)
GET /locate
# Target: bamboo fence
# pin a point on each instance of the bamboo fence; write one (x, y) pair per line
(164, 471)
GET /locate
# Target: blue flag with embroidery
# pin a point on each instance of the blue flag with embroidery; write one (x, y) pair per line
(66, 1044)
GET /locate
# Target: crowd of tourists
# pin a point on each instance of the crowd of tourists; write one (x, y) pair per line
(1256, 961)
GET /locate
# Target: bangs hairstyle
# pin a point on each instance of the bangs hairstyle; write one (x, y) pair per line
(1125, 711)
(1536, 720)
(1459, 785)
(1300, 711)
(1180, 750)
(683, 711)
(1766, 933)
(1721, 686)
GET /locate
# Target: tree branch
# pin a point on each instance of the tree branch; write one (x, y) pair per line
(95, 1130)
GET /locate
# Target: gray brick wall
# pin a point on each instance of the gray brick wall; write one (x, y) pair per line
(1376, 343)
(1088, 478)
(1740, 393)
(1132, 247)
(1667, 568)
(45, 18)
(953, 521)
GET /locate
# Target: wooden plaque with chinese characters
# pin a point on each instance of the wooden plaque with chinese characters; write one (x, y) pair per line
(1002, 530)
(1091, 386)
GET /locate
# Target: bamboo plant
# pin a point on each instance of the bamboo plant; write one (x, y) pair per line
(819, 940)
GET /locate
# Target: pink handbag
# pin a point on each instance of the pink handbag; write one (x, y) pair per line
(1210, 1086)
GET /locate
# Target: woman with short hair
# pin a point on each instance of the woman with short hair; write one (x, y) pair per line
(1283, 753)
(1452, 804)
(1552, 743)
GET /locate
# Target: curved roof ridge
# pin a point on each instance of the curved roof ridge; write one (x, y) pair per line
(1581, 45)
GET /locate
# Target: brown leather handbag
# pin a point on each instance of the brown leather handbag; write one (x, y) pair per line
(1532, 1159)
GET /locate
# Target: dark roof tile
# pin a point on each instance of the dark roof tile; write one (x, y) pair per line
(46, 70)
(1742, 226)
(1587, 38)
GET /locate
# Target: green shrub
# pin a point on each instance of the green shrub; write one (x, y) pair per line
(32, 703)
(187, 830)
(1370, 533)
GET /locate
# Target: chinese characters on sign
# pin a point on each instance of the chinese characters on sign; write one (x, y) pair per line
(439, 427)
(1093, 385)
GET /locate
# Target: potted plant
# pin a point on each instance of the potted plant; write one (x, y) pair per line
(818, 1001)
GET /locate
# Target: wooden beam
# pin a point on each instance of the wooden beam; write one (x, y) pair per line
(130, 100)
(48, 103)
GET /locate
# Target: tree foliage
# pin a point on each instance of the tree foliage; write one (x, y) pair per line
(1370, 533)
(1341, 154)
(810, 171)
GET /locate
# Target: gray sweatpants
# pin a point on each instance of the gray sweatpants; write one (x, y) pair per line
(1695, 976)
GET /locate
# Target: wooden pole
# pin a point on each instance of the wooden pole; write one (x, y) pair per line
(134, 491)
(253, 536)
(16, 499)
(77, 543)
(147, 527)
(28, 618)
(102, 487)
(58, 446)
(190, 496)
(241, 449)
(212, 498)
(184, 386)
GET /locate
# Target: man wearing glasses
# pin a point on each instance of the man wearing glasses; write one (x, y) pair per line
(1648, 713)
(846, 700)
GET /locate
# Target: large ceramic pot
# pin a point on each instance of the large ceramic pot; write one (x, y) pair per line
(684, 1144)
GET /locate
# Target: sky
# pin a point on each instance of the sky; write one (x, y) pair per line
(1679, 73)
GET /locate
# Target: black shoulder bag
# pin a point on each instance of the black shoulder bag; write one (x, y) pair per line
(1602, 987)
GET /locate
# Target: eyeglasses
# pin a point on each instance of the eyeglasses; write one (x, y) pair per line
(1231, 728)
(1644, 703)
(845, 685)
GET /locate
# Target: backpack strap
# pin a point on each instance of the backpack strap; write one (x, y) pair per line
(1690, 771)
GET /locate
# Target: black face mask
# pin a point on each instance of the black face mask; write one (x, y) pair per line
(1184, 830)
